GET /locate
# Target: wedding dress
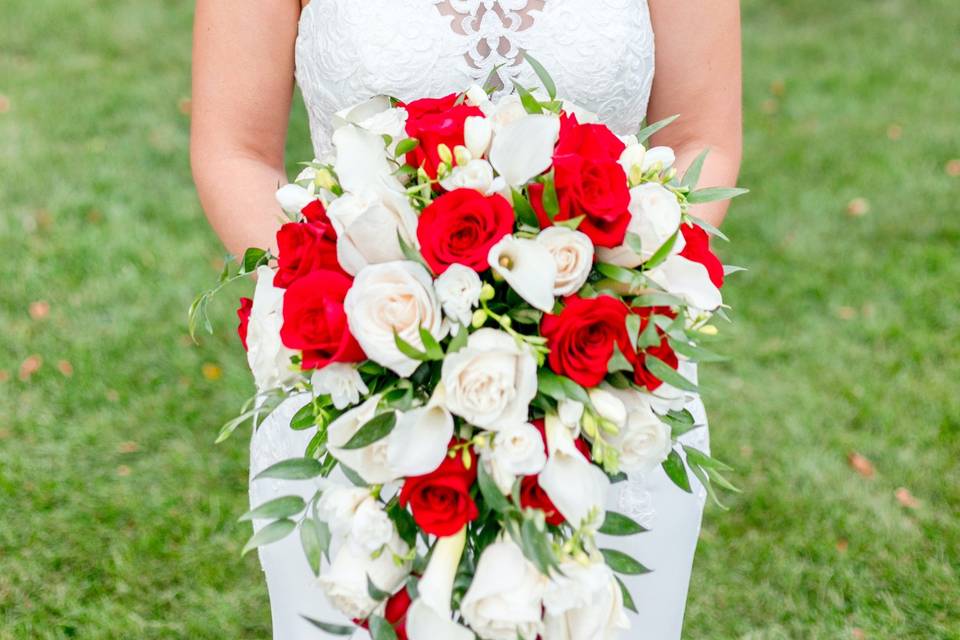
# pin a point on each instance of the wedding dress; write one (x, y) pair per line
(601, 55)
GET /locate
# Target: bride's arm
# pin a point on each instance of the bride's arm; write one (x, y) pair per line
(698, 77)
(242, 89)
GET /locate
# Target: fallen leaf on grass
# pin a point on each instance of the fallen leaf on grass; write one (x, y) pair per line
(778, 88)
(4, 434)
(4, 375)
(905, 498)
(4, 104)
(894, 132)
(842, 545)
(859, 634)
(128, 447)
(861, 464)
(30, 366)
(858, 207)
(847, 313)
(123, 471)
(211, 371)
(39, 309)
(112, 395)
(953, 169)
(64, 367)
(185, 105)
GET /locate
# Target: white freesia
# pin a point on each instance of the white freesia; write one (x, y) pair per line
(633, 155)
(372, 461)
(269, 360)
(371, 528)
(491, 381)
(608, 406)
(342, 382)
(476, 174)
(477, 133)
(644, 440)
(584, 602)
(376, 115)
(689, 281)
(458, 289)
(517, 450)
(504, 601)
(577, 487)
(293, 198)
(345, 582)
(658, 156)
(338, 505)
(528, 267)
(523, 149)
(572, 253)
(368, 224)
(655, 216)
(428, 617)
(570, 413)
(393, 298)
(477, 97)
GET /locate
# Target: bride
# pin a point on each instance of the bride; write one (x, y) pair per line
(249, 53)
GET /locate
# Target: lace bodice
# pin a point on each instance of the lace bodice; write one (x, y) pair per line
(600, 52)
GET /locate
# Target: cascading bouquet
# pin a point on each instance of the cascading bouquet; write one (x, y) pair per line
(495, 308)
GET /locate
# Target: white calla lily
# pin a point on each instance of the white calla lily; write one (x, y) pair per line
(577, 487)
(477, 133)
(688, 280)
(293, 198)
(429, 616)
(528, 267)
(523, 149)
(418, 444)
(361, 164)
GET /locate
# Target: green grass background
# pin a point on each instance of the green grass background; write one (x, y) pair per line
(845, 339)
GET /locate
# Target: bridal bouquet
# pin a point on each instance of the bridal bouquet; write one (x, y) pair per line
(493, 310)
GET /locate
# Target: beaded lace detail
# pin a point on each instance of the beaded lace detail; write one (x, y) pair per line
(600, 52)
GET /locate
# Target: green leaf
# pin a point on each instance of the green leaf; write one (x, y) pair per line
(707, 484)
(692, 175)
(627, 598)
(695, 456)
(406, 526)
(253, 258)
(355, 478)
(551, 203)
(544, 76)
(380, 629)
(709, 228)
(622, 563)
(304, 418)
(662, 253)
(561, 387)
(458, 341)
(283, 507)
(490, 492)
(644, 134)
(431, 347)
(633, 329)
(695, 353)
(677, 471)
(408, 349)
(277, 530)
(617, 524)
(530, 103)
(311, 543)
(292, 469)
(406, 146)
(524, 210)
(657, 299)
(375, 429)
(334, 629)
(375, 592)
(620, 274)
(536, 547)
(713, 194)
(650, 337)
(635, 242)
(668, 374)
(618, 361)
(410, 253)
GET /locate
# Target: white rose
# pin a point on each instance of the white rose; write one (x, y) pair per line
(576, 486)
(458, 289)
(367, 226)
(393, 298)
(662, 156)
(477, 133)
(528, 268)
(345, 582)
(338, 504)
(504, 601)
(584, 602)
(491, 381)
(644, 440)
(342, 382)
(269, 360)
(371, 527)
(476, 174)
(654, 216)
(517, 450)
(689, 281)
(572, 252)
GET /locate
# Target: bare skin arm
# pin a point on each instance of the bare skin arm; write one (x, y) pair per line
(698, 77)
(243, 66)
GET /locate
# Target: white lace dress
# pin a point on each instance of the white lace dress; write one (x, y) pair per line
(601, 54)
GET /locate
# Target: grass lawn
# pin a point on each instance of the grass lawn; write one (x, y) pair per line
(118, 512)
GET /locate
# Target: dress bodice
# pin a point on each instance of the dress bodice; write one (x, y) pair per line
(599, 52)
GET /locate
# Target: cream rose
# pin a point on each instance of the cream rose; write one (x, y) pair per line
(368, 225)
(516, 450)
(393, 298)
(584, 602)
(504, 601)
(490, 382)
(644, 441)
(572, 252)
(269, 360)
(655, 217)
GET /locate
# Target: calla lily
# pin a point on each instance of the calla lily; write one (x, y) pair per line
(293, 198)
(418, 444)
(362, 161)
(524, 148)
(361, 112)
(429, 616)
(576, 486)
(477, 132)
(528, 267)
(688, 280)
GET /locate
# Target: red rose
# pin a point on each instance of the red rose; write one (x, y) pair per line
(246, 306)
(663, 351)
(462, 226)
(316, 213)
(533, 496)
(697, 249)
(435, 121)
(304, 248)
(440, 501)
(581, 338)
(590, 182)
(395, 613)
(315, 323)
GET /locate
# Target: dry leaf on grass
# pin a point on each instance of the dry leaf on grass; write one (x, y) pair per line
(861, 464)
(953, 168)
(211, 371)
(39, 309)
(905, 498)
(858, 207)
(30, 366)
(64, 367)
